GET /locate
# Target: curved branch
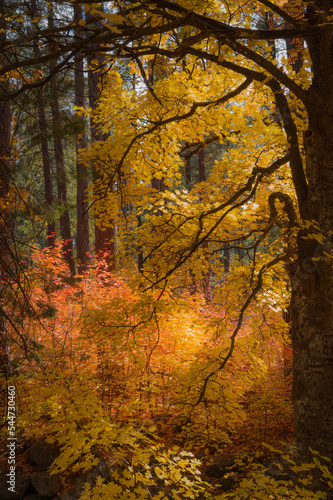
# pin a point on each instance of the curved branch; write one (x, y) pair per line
(246, 304)
(288, 207)
(143, 74)
(269, 67)
(296, 162)
(252, 185)
(174, 118)
(204, 22)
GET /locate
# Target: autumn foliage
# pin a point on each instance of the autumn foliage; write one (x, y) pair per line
(157, 329)
(108, 365)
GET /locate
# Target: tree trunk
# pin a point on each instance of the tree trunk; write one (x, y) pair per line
(5, 127)
(158, 184)
(192, 287)
(226, 258)
(5, 124)
(294, 53)
(312, 291)
(188, 172)
(105, 238)
(202, 165)
(65, 225)
(206, 277)
(287, 351)
(43, 134)
(140, 258)
(46, 169)
(82, 236)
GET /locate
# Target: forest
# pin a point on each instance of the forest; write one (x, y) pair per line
(166, 224)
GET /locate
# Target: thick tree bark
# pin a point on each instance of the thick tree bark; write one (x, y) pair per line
(5, 122)
(81, 169)
(201, 165)
(192, 287)
(158, 184)
(295, 57)
(140, 257)
(105, 238)
(312, 293)
(312, 282)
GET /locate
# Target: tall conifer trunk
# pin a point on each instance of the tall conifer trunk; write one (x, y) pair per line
(105, 237)
(65, 225)
(81, 169)
(5, 123)
(44, 142)
(5, 135)
(48, 188)
(206, 276)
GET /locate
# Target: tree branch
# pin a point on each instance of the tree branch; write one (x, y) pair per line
(296, 163)
(255, 178)
(269, 67)
(188, 114)
(226, 358)
(143, 74)
(288, 207)
(280, 12)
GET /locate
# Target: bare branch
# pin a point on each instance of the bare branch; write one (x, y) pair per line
(143, 74)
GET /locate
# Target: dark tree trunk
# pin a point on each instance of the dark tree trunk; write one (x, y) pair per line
(140, 259)
(105, 238)
(5, 124)
(226, 257)
(51, 229)
(43, 134)
(206, 277)
(202, 165)
(295, 57)
(192, 287)
(5, 127)
(82, 236)
(65, 226)
(287, 355)
(312, 293)
(158, 184)
(312, 280)
(188, 172)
